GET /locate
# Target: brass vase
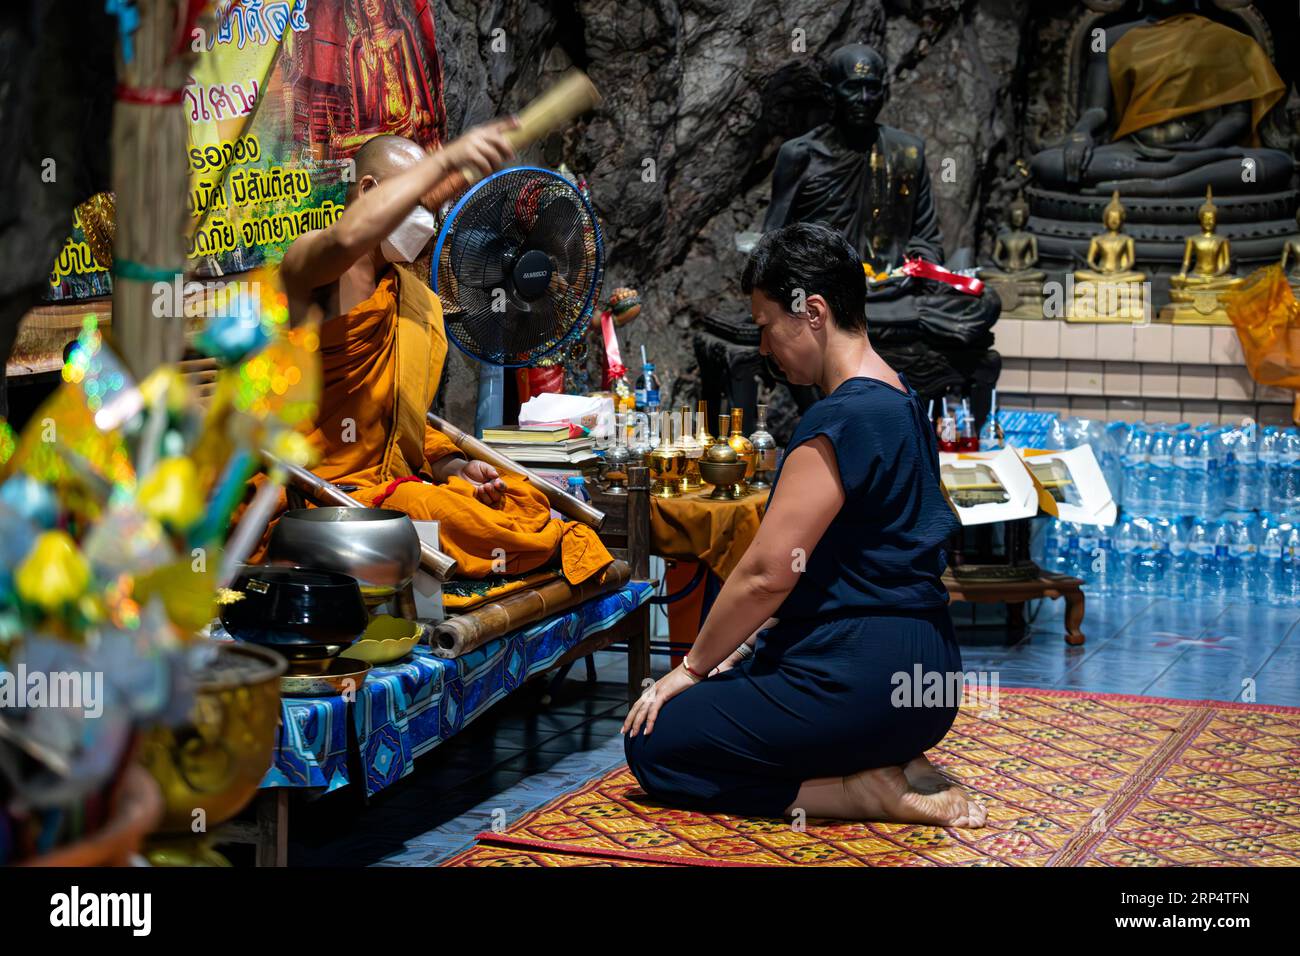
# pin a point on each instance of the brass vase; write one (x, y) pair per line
(667, 463)
(693, 450)
(210, 766)
(743, 446)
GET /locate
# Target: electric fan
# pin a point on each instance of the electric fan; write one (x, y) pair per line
(519, 262)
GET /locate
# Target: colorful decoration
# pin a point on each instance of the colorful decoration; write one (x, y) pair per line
(115, 501)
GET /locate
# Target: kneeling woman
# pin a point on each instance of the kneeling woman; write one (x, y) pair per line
(796, 711)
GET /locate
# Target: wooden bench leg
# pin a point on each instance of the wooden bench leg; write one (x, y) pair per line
(273, 827)
(638, 653)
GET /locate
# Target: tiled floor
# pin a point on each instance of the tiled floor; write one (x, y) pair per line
(525, 752)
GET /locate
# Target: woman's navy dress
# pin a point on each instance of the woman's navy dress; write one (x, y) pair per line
(817, 698)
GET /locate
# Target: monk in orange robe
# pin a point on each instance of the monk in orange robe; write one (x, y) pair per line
(382, 355)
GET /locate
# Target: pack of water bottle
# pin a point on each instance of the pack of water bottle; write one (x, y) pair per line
(1202, 471)
(1239, 557)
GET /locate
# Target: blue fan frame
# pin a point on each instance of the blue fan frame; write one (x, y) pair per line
(598, 275)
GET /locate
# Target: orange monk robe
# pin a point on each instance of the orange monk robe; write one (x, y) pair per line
(1186, 64)
(381, 364)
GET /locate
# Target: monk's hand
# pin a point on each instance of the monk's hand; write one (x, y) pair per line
(646, 708)
(484, 149)
(489, 487)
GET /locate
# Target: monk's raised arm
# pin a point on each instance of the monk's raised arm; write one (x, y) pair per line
(378, 201)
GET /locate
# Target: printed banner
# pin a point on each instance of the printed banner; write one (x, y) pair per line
(280, 97)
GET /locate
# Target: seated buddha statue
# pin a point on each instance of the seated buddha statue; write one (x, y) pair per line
(1015, 253)
(1291, 259)
(1195, 292)
(1110, 289)
(1171, 104)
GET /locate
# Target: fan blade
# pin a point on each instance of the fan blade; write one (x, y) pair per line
(477, 257)
(556, 224)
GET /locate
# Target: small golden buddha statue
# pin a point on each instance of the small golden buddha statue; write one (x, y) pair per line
(1015, 253)
(1195, 295)
(1290, 262)
(1111, 290)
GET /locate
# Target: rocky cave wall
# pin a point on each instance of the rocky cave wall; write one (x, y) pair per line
(707, 90)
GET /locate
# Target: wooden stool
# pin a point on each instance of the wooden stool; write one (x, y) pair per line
(1016, 593)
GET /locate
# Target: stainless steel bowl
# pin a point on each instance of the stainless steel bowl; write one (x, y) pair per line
(378, 547)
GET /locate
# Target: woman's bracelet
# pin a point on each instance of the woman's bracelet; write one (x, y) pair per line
(691, 672)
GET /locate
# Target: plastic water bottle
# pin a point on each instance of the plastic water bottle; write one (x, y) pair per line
(1144, 560)
(1291, 568)
(1272, 563)
(1121, 570)
(1286, 497)
(1113, 440)
(1135, 470)
(1180, 569)
(1202, 568)
(1268, 476)
(1242, 487)
(1239, 584)
(1056, 547)
(1085, 553)
(1096, 547)
(991, 433)
(578, 487)
(1160, 471)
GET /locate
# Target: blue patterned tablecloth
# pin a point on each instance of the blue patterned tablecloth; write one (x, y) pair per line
(406, 709)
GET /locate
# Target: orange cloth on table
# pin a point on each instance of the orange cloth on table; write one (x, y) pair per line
(381, 364)
(698, 528)
(1186, 64)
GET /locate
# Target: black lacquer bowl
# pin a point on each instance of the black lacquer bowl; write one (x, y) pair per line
(308, 616)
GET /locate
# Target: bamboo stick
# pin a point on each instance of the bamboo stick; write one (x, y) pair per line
(568, 99)
(560, 499)
(464, 632)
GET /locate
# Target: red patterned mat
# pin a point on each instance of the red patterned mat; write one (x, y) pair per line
(1069, 779)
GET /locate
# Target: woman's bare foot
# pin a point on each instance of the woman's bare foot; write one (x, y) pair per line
(925, 776)
(884, 794)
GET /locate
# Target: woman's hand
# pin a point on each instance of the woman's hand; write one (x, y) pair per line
(647, 706)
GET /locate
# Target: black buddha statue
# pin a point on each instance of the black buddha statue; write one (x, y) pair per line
(1170, 105)
(1166, 99)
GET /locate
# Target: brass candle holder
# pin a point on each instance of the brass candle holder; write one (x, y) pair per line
(667, 463)
(693, 450)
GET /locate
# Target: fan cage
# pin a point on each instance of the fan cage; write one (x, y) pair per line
(589, 272)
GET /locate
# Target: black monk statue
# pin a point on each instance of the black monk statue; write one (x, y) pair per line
(870, 182)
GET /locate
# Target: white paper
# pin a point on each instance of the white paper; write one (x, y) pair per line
(595, 413)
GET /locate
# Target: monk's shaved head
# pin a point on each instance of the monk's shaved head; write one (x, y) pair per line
(382, 156)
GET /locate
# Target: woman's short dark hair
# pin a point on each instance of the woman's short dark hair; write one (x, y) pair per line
(813, 258)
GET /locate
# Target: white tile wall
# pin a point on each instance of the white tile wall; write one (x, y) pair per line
(1159, 380)
(1115, 343)
(1047, 376)
(1153, 343)
(1191, 344)
(1234, 384)
(1084, 378)
(1078, 340)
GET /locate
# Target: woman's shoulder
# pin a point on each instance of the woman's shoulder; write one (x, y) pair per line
(860, 402)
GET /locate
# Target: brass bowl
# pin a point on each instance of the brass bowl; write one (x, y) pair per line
(378, 547)
(215, 761)
(344, 674)
(387, 639)
(724, 476)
